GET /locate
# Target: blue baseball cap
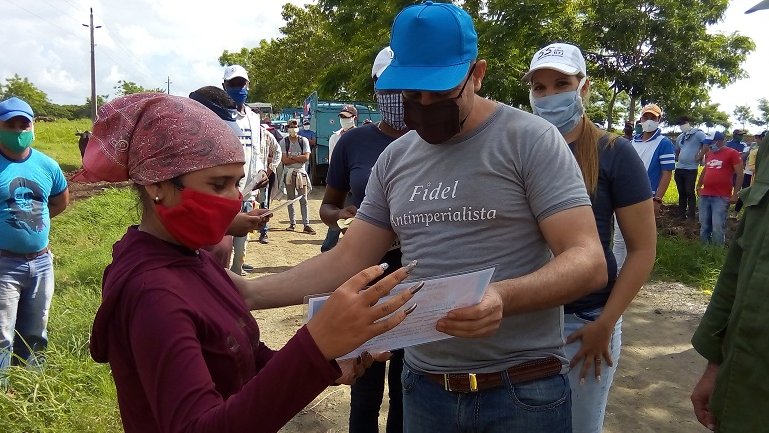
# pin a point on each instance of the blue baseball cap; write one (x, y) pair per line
(13, 107)
(717, 136)
(434, 45)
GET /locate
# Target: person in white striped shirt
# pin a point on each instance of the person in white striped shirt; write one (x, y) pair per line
(659, 158)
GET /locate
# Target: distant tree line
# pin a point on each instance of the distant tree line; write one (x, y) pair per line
(22, 88)
(637, 52)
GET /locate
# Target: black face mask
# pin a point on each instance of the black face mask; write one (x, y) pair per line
(435, 123)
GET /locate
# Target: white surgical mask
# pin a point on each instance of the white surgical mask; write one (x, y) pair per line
(293, 131)
(306, 127)
(650, 125)
(347, 122)
(686, 128)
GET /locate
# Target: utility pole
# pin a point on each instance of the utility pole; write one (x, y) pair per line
(93, 70)
(168, 85)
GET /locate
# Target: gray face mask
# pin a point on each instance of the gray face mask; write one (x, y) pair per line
(564, 110)
(391, 107)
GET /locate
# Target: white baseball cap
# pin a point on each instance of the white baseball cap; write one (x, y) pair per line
(381, 62)
(234, 71)
(565, 58)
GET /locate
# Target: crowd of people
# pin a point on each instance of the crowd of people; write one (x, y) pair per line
(572, 244)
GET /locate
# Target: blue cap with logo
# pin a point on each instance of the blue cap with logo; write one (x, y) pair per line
(434, 45)
(717, 136)
(13, 107)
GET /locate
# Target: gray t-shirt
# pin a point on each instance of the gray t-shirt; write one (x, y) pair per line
(474, 201)
(294, 148)
(688, 146)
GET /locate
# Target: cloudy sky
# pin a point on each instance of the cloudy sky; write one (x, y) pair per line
(147, 41)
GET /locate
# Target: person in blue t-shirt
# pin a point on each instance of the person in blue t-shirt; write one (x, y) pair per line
(614, 178)
(309, 134)
(689, 153)
(356, 152)
(32, 191)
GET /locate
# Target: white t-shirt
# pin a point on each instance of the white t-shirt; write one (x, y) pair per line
(250, 138)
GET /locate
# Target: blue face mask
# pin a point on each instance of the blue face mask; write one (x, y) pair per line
(238, 94)
(714, 147)
(564, 110)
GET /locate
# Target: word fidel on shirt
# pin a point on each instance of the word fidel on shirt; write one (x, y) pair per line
(440, 192)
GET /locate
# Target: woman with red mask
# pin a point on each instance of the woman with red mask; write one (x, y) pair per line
(184, 349)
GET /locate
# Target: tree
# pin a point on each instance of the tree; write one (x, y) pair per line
(763, 118)
(743, 114)
(129, 88)
(652, 50)
(22, 88)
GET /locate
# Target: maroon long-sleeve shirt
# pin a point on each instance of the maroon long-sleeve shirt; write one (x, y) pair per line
(185, 351)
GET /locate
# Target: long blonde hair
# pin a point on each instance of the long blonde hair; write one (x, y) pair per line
(586, 151)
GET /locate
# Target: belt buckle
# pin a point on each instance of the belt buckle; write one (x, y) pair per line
(471, 378)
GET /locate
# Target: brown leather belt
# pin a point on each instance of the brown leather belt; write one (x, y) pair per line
(474, 382)
(30, 256)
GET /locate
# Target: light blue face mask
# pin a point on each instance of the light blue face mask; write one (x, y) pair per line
(564, 110)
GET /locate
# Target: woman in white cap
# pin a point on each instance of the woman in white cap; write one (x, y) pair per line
(617, 183)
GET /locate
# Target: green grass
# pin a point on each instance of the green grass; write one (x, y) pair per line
(73, 393)
(688, 262)
(58, 140)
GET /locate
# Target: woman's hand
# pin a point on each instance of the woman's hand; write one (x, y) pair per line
(594, 348)
(354, 368)
(351, 315)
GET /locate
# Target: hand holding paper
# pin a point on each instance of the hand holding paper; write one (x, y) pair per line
(353, 313)
(438, 297)
(480, 320)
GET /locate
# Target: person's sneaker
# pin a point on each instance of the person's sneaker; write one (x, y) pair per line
(247, 267)
(308, 230)
(291, 228)
(263, 239)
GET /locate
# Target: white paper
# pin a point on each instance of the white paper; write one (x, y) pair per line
(438, 296)
(282, 205)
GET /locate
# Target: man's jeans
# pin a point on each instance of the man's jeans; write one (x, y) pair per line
(239, 244)
(687, 199)
(26, 289)
(366, 397)
(588, 400)
(542, 405)
(291, 192)
(713, 213)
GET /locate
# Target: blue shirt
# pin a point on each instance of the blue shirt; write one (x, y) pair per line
(308, 134)
(738, 146)
(354, 155)
(621, 183)
(688, 146)
(657, 155)
(25, 187)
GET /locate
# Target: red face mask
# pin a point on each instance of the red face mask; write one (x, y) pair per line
(200, 219)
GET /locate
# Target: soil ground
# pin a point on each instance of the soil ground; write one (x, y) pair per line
(657, 368)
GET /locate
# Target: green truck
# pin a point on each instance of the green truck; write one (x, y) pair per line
(324, 120)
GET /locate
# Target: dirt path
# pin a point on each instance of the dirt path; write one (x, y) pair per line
(657, 371)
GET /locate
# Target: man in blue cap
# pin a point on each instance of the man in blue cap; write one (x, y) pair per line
(466, 188)
(32, 191)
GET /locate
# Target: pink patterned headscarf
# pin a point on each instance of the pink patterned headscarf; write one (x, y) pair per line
(151, 137)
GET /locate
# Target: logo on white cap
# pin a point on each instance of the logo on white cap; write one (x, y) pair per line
(565, 58)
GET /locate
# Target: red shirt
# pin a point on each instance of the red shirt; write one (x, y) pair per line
(719, 171)
(185, 351)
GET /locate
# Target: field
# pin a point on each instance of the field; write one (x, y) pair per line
(74, 394)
